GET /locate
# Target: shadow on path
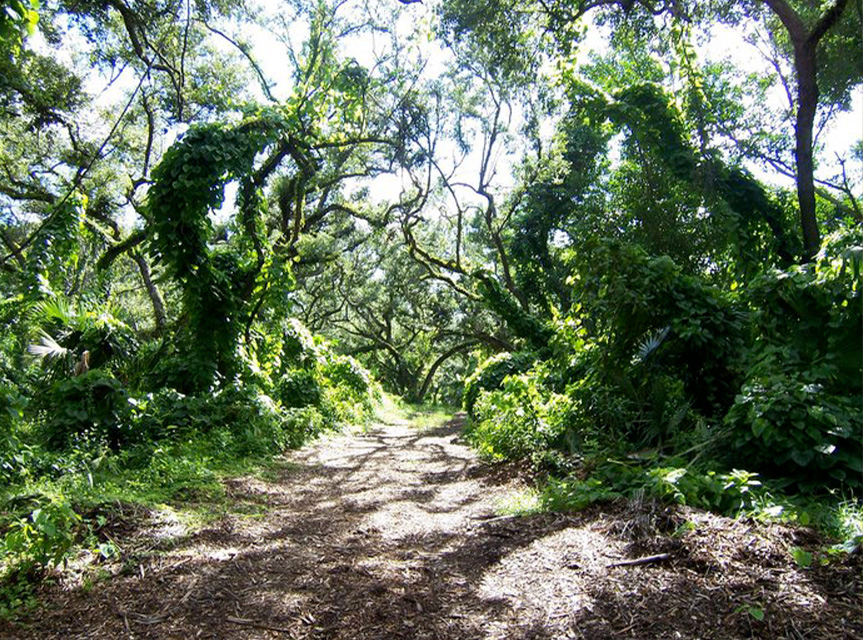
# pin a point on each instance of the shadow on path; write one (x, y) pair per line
(391, 534)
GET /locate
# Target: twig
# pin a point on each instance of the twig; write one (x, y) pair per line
(486, 520)
(257, 625)
(638, 561)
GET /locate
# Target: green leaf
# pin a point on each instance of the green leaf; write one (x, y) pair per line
(756, 613)
(802, 557)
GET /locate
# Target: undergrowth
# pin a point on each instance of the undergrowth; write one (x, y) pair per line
(100, 442)
(742, 400)
(48, 520)
(737, 494)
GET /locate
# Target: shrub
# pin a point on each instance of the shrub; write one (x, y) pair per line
(93, 407)
(648, 315)
(520, 420)
(491, 373)
(300, 388)
(15, 456)
(726, 493)
(43, 538)
(299, 348)
(787, 420)
(301, 425)
(351, 392)
(798, 410)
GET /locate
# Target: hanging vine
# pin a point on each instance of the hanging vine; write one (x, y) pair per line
(188, 184)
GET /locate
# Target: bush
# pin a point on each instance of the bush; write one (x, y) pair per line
(725, 493)
(43, 538)
(652, 357)
(788, 421)
(798, 410)
(15, 456)
(491, 373)
(90, 408)
(646, 314)
(351, 392)
(520, 420)
(301, 425)
(299, 348)
(300, 388)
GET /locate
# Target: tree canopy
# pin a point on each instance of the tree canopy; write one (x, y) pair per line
(584, 221)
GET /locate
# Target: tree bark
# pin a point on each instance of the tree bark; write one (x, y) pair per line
(446, 355)
(155, 297)
(807, 104)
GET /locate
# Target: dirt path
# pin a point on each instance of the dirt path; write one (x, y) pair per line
(392, 534)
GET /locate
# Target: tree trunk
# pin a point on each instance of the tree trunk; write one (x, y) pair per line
(155, 297)
(807, 103)
(806, 70)
(446, 355)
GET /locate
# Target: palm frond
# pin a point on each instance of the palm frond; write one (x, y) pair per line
(55, 309)
(48, 349)
(651, 343)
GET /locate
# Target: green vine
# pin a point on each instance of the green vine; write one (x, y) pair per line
(188, 184)
(649, 112)
(526, 326)
(56, 246)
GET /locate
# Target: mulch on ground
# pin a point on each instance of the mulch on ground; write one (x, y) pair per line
(392, 534)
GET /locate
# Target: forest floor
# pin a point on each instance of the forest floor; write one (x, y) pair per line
(394, 534)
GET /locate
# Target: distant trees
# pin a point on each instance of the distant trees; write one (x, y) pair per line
(800, 34)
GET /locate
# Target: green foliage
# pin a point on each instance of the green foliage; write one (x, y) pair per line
(755, 222)
(522, 323)
(575, 495)
(66, 332)
(727, 493)
(17, 19)
(802, 557)
(88, 410)
(566, 201)
(346, 373)
(490, 375)
(301, 425)
(314, 376)
(651, 356)
(519, 419)
(17, 458)
(650, 326)
(300, 388)
(648, 352)
(298, 346)
(188, 184)
(787, 422)
(43, 538)
(798, 408)
(350, 390)
(56, 247)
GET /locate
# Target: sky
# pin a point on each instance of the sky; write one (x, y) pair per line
(271, 53)
(726, 43)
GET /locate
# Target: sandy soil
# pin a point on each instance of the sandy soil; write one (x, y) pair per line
(392, 534)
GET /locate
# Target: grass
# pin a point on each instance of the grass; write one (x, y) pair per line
(178, 482)
(522, 502)
(394, 410)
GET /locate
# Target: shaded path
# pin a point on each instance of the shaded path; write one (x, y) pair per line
(391, 535)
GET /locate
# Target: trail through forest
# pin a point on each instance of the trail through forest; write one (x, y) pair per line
(393, 534)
